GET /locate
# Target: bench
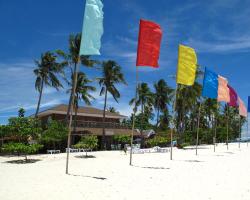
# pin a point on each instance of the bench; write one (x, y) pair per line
(53, 151)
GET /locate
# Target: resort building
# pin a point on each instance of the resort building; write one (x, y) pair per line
(89, 121)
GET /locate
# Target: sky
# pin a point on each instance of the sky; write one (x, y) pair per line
(219, 31)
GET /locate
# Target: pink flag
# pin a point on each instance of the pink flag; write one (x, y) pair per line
(242, 108)
(223, 90)
(233, 97)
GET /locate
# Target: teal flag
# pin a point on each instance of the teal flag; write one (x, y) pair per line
(92, 28)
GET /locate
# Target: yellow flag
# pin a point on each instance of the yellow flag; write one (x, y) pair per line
(186, 69)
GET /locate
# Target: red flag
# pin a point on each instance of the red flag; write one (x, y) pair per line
(233, 97)
(149, 42)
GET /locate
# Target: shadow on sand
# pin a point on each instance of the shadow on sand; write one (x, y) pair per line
(148, 167)
(94, 177)
(23, 161)
(84, 156)
(229, 152)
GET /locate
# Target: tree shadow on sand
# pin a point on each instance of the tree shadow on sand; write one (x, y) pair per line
(149, 167)
(94, 177)
(84, 156)
(23, 161)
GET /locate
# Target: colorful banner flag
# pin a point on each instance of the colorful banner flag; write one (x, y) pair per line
(223, 90)
(92, 28)
(233, 97)
(242, 108)
(187, 64)
(248, 107)
(210, 84)
(149, 42)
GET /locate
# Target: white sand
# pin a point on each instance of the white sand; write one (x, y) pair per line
(221, 175)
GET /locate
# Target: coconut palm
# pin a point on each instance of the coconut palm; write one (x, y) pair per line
(72, 59)
(82, 92)
(162, 98)
(46, 74)
(111, 75)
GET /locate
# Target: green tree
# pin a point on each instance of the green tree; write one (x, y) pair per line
(82, 92)
(72, 59)
(111, 75)
(88, 143)
(21, 112)
(21, 148)
(46, 74)
(162, 97)
(55, 134)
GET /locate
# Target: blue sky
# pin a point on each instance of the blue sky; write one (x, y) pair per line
(219, 30)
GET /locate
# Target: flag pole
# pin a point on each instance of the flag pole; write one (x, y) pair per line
(70, 118)
(247, 129)
(198, 127)
(227, 123)
(172, 128)
(215, 129)
(133, 123)
(239, 131)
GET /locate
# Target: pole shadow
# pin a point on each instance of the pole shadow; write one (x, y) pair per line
(149, 167)
(94, 177)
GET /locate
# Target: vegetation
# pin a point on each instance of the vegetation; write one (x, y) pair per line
(72, 59)
(111, 75)
(88, 143)
(21, 149)
(123, 139)
(157, 141)
(54, 135)
(46, 74)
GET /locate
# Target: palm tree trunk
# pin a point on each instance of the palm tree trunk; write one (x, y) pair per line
(103, 120)
(68, 110)
(157, 118)
(40, 97)
(75, 118)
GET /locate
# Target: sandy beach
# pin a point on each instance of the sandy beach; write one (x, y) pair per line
(220, 175)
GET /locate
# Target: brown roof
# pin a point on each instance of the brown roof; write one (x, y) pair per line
(85, 111)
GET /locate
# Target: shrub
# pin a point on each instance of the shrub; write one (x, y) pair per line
(55, 133)
(21, 148)
(157, 141)
(87, 143)
(181, 146)
(124, 139)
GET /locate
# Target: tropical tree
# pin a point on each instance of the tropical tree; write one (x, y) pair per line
(21, 112)
(72, 59)
(82, 92)
(112, 109)
(162, 97)
(145, 99)
(111, 75)
(88, 143)
(46, 74)
(55, 133)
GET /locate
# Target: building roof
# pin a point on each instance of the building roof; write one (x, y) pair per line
(82, 111)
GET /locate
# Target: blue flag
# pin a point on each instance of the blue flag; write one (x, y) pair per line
(92, 28)
(248, 107)
(210, 84)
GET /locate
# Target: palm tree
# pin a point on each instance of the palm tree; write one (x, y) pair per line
(112, 109)
(145, 100)
(81, 92)
(72, 59)
(46, 74)
(111, 75)
(163, 95)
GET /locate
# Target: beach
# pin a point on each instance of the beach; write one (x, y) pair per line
(224, 174)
